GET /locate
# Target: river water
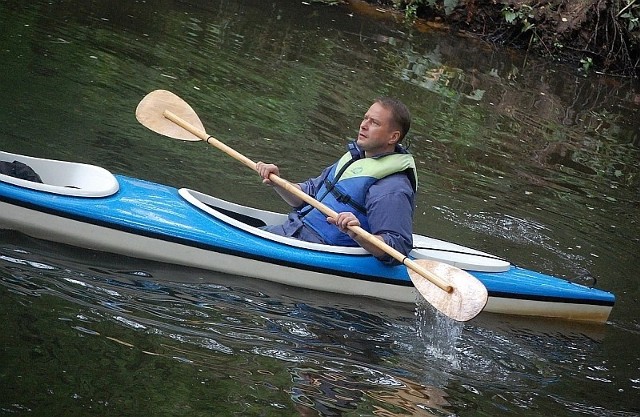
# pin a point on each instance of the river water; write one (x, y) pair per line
(523, 158)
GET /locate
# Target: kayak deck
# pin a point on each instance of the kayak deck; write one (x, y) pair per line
(152, 221)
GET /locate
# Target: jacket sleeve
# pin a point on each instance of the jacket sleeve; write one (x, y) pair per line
(390, 207)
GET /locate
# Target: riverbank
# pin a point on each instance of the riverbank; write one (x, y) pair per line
(590, 35)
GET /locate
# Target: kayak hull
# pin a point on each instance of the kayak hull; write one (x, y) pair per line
(152, 221)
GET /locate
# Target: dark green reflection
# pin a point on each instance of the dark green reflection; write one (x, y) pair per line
(57, 362)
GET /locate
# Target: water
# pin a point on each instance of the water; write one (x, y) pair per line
(524, 159)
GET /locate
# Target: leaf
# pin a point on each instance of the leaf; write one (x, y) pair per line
(449, 5)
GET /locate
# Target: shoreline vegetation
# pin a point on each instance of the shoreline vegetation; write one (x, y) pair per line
(601, 36)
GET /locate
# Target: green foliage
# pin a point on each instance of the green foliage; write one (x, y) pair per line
(632, 21)
(614, 39)
(631, 15)
(587, 64)
(411, 6)
(519, 16)
(410, 12)
(449, 5)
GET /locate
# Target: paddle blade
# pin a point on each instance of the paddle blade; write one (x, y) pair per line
(469, 295)
(151, 109)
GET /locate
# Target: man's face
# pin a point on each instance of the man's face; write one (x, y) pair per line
(377, 133)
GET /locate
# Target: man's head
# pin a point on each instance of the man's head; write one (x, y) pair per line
(384, 125)
(400, 115)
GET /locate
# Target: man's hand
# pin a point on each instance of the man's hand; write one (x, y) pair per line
(343, 221)
(265, 170)
(346, 219)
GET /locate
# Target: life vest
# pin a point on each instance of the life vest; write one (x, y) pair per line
(346, 186)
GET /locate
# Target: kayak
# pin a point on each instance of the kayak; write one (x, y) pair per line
(87, 206)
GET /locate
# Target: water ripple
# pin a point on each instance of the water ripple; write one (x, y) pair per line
(336, 355)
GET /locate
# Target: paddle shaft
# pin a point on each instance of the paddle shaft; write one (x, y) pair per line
(286, 185)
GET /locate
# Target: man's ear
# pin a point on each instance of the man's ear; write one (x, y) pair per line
(395, 137)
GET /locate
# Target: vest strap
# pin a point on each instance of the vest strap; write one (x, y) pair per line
(346, 199)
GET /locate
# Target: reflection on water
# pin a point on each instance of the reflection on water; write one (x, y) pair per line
(290, 351)
(335, 358)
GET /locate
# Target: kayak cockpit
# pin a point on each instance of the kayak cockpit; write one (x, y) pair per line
(62, 177)
(251, 219)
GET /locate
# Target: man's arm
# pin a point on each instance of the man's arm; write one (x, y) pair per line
(309, 187)
(389, 206)
(346, 219)
(393, 223)
(265, 170)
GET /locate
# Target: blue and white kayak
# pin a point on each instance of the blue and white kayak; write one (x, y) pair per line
(87, 206)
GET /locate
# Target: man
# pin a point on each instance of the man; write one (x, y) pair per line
(372, 186)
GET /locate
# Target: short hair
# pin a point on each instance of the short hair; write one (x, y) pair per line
(400, 114)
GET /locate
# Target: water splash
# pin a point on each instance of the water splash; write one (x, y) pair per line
(439, 334)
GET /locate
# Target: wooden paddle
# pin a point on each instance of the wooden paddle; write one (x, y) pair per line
(452, 291)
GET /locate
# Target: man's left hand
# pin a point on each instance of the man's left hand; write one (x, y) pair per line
(343, 221)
